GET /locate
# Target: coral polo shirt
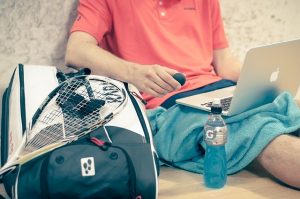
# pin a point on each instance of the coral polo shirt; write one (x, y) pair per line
(180, 34)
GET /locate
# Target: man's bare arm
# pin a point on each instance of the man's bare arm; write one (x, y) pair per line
(226, 65)
(83, 51)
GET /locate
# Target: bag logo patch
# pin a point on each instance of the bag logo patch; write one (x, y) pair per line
(87, 166)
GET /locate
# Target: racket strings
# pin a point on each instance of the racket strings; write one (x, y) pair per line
(46, 136)
(74, 111)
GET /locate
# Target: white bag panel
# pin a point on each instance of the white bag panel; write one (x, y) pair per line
(132, 88)
(35, 93)
(39, 82)
(128, 119)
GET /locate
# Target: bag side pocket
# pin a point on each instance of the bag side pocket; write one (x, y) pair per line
(87, 171)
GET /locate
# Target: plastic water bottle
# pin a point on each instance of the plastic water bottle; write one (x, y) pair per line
(215, 162)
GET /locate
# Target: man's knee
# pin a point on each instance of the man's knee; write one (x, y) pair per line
(281, 158)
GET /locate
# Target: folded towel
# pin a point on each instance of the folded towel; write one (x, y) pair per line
(178, 133)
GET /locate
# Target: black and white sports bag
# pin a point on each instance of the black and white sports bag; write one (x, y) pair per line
(114, 160)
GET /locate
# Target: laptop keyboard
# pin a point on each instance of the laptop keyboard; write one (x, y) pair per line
(225, 102)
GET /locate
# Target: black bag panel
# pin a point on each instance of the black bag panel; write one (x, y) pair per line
(140, 153)
(142, 158)
(111, 179)
(4, 128)
(122, 170)
(63, 179)
(5, 121)
(29, 179)
(9, 180)
(25, 179)
(22, 97)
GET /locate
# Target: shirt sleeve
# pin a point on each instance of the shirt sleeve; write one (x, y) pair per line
(93, 17)
(219, 37)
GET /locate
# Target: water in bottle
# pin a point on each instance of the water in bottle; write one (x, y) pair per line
(215, 163)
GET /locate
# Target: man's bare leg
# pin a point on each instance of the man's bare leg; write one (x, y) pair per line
(281, 158)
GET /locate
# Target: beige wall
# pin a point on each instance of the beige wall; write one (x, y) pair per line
(251, 23)
(35, 32)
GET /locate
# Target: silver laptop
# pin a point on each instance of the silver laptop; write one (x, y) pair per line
(267, 71)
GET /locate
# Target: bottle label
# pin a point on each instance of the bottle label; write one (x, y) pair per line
(216, 135)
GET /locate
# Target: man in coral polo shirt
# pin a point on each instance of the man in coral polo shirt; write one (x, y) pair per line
(145, 42)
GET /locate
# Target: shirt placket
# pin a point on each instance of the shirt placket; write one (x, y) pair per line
(162, 11)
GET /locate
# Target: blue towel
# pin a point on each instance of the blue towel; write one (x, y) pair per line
(178, 133)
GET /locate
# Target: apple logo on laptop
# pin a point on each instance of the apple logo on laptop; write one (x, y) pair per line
(274, 75)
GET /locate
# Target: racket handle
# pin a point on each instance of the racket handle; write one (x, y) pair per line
(84, 71)
(64, 76)
(180, 78)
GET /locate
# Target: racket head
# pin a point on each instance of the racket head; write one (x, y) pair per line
(74, 108)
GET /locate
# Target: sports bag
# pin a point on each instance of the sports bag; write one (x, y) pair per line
(117, 160)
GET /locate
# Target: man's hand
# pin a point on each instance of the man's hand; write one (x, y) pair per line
(155, 80)
(226, 65)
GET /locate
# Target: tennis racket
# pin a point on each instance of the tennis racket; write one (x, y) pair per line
(73, 109)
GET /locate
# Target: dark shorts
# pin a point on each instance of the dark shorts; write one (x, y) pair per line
(210, 87)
